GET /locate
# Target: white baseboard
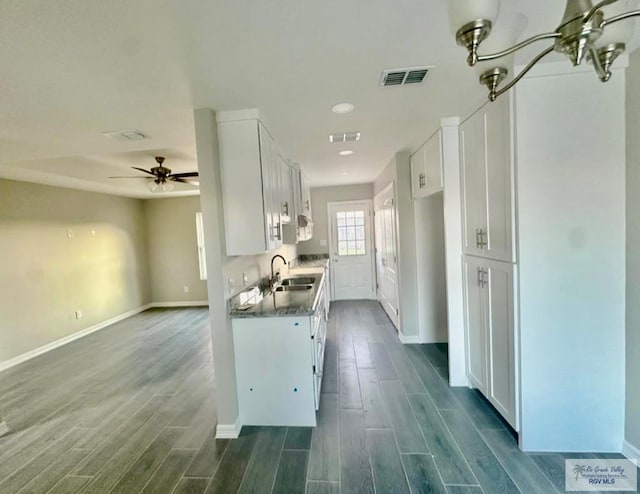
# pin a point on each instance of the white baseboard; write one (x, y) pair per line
(409, 340)
(68, 339)
(191, 303)
(91, 329)
(228, 431)
(630, 451)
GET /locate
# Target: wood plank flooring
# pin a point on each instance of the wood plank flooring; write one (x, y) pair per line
(132, 409)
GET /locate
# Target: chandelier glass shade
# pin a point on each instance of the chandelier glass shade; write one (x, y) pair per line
(597, 32)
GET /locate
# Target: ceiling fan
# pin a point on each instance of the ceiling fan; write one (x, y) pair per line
(162, 177)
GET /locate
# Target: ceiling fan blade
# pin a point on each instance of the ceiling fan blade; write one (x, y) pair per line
(143, 170)
(184, 175)
(182, 181)
(137, 176)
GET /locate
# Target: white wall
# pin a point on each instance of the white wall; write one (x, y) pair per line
(430, 269)
(320, 196)
(632, 429)
(571, 208)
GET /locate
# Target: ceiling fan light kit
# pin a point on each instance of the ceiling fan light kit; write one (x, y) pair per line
(584, 32)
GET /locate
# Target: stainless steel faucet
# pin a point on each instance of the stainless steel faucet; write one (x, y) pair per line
(274, 277)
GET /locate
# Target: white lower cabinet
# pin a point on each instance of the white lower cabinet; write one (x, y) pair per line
(490, 319)
(279, 365)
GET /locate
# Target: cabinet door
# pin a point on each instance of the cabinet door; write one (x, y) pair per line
(271, 189)
(286, 191)
(306, 197)
(433, 164)
(499, 230)
(501, 389)
(473, 183)
(418, 173)
(475, 323)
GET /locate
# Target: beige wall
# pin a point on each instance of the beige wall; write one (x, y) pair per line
(320, 196)
(45, 275)
(173, 250)
(632, 429)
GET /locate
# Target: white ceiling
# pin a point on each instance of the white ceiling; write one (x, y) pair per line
(74, 69)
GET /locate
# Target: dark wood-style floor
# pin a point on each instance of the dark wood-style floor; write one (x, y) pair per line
(132, 409)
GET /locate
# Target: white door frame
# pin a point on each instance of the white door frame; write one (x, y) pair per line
(369, 203)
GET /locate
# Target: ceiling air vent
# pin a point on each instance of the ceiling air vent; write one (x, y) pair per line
(403, 77)
(129, 135)
(344, 137)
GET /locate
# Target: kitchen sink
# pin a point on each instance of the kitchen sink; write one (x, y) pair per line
(298, 281)
(293, 288)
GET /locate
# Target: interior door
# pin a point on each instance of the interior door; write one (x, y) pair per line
(351, 250)
(386, 254)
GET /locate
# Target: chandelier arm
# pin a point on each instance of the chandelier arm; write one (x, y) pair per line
(523, 72)
(597, 7)
(522, 44)
(603, 74)
(621, 17)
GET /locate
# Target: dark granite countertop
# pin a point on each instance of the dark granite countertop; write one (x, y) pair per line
(307, 261)
(283, 304)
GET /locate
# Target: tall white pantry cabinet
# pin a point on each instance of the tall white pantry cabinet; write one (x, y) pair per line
(543, 208)
(488, 268)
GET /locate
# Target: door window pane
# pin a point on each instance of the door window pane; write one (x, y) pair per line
(351, 233)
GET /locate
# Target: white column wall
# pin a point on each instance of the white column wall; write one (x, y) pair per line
(570, 151)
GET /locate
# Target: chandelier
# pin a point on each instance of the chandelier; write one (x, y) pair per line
(584, 32)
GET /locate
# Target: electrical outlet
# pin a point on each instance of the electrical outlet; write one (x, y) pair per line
(186, 289)
(230, 285)
(245, 279)
(69, 233)
(78, 314)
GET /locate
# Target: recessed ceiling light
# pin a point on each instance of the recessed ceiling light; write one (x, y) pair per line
(342, 108)
(344, 173)
(346, 152)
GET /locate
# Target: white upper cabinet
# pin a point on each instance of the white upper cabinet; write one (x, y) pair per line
(487, 183)
(251, 184)
(426, 168)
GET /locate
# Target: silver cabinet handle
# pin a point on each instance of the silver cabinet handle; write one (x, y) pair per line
(422, 180)
(278, 233)
(481, 236)
(285, 209)
(306, 204)
(483, 277)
